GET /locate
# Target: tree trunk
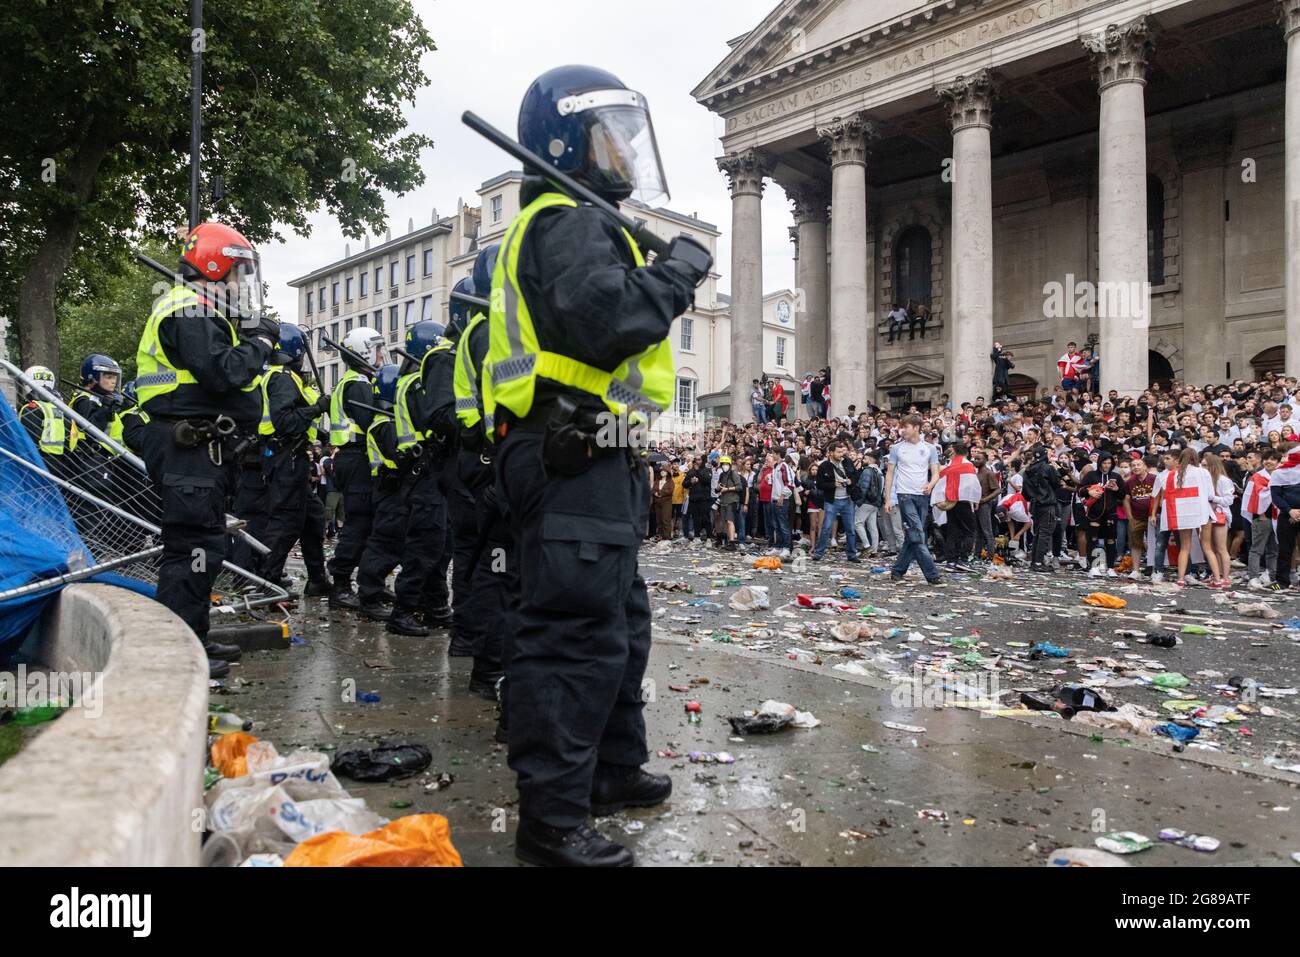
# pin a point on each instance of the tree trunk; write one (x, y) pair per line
(37, 332)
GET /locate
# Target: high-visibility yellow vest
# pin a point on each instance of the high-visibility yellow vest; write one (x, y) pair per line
(343, 428)
(119, 421)
(156, 375)
(373, 452)
(58, 434)
(641, 386)
(465, 380)
(112, 423)
(407, 434)
(309, 397)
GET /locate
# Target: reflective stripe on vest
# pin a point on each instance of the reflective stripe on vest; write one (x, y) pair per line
(642, 385)
(407, 435)
(156, 375)
(465, 380)
(343, 428)
(373, 452)
(309, 397)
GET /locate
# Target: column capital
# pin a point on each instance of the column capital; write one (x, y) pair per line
(847, 138)
(809, 201)
(1120, 51)
(1288, 17)
(969, 99)
(745, 171)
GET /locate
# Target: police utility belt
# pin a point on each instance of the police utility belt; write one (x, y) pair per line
(220, 434)
(572, 436)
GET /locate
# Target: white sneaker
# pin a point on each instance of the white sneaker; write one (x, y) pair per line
(1110, 573)
(1082, 562)
(1238, 563)
(785, 553)
(1157, 578)
(1136, 574)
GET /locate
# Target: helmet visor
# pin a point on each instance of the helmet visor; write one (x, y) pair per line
(624, 155)
(244, 295)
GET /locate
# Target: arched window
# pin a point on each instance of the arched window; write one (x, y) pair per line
(1155, 230)
(1270, 360)
(1159, 371)
(912, 266)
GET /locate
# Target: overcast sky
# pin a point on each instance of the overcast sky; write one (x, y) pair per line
(488, 53)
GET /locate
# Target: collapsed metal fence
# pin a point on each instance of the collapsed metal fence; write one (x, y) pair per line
(113, 505)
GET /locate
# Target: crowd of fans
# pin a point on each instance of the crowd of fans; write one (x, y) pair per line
(1196, 484)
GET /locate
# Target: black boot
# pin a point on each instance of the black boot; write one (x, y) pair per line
(484, 684)
(317, 587)
(217, 669)
(219, 652)
(460, 647)
(389, 597)
(402, 622)
(342, 596)
(581, 846)
(438, 617)
(616, 787)
(374, 609)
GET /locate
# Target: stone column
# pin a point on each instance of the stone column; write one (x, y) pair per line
(809, 204)
(852, 346)
(745, 172)
(1291, 30)
(969, 100)
(1123, 299)
(1202, 154)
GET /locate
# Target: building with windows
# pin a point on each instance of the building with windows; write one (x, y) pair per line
(1034, 172)
(389, 285)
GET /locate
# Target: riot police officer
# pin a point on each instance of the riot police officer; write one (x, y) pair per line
(386, 545)
(55, 434)
(424, 436)
(349, 420)
(578, 333)
(290, 409)
(491, 577)
(461, 530)
(131, 420)
(98, 399)
(200, 354)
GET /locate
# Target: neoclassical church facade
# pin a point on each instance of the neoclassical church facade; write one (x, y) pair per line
(1113, 172)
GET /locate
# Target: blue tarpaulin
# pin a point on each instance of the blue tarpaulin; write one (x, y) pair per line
(38, 539)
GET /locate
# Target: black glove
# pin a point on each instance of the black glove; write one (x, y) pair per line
(323, 403)
(689, 260)
(261, 328)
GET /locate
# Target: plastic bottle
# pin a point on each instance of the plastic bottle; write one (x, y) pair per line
(724, 582)
(227, 723)
(37, 714)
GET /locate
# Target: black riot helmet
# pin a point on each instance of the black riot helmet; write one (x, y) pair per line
(586, 123)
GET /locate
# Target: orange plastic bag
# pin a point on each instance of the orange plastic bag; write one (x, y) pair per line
(1103, 600)
(418, 840)
(229, 754)
(1125, 564)
(768, 561)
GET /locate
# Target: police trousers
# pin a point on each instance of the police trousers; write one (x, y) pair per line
(295, 514)
(583, 628)
(250, 505)
(193, 492)
(352, 476)
(408, 529)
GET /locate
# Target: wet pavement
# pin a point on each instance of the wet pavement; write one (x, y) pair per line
(983, 783)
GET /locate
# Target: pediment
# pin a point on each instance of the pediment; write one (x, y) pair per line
(909, 374)
(798, 28)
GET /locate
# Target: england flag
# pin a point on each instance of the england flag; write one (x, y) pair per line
(1257, 499)
(958, 482)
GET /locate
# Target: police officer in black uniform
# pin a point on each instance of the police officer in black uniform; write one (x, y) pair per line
(197, 369)
(601, 321)
(349, 420)
(288, 426)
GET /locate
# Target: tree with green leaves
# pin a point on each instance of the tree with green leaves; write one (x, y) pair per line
(302, 106)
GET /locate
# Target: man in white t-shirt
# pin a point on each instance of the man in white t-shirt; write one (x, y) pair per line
(913, 469)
